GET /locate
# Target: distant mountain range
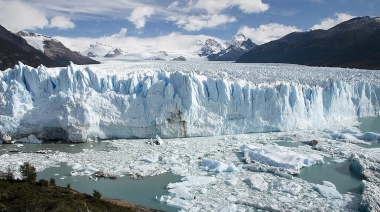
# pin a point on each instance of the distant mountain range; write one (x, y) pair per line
(35, 49)
(354, 44)
(215, 51)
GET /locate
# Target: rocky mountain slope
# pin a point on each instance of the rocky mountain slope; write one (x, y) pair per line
(49, 52)
(239, 45)
(215, 51)
(354, 43)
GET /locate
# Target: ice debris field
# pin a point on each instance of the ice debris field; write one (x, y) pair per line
(224, 170)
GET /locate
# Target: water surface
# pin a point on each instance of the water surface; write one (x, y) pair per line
(370, 124)
(337, 173)
(140, 192)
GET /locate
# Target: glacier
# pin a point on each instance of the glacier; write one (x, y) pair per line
(141, 100)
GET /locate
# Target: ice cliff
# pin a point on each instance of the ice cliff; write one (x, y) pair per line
(80, 104)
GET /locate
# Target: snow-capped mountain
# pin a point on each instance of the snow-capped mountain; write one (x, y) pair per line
(54, 49)
(35, 39)
(35, 49)
(238, 39)
(98, 50)
(211, 46)
(240, 44)
(114, 53)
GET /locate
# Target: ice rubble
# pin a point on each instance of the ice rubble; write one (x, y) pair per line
(84, 103)
(206, 189)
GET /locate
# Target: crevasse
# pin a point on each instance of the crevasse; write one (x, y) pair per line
(78, 104)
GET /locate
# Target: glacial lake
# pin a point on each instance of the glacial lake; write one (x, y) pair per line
(140, 192)
(370, 124)
(337, 173)
(144, 192)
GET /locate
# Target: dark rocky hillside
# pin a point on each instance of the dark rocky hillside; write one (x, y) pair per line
(14, 48)
(354, 43)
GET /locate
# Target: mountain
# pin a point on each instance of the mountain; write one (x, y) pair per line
(211, 46)
(239, 45)
(55, 50)
(354, 43)
(15, 48)
(98, 50)
(114, 53)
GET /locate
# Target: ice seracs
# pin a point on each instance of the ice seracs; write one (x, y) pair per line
(79, 103)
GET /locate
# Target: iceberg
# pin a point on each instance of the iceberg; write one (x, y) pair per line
(84, 103)
(275, 156)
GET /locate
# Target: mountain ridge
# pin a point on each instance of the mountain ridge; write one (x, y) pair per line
(334, 47)
(15, 48)
(215, 51)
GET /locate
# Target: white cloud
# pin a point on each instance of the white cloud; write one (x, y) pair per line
(268, 32)
(216, 6)
(196, 23)
(252, 6)
(61, 22)
(173, 5)
(122, 33)
(327, 23)
(139, 15)
(16, 15)
(189, 43)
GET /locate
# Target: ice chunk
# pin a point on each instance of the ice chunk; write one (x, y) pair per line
(217, 166)
(150, 158)
(193, 181)
(158, 140)
(328, 190)
(182, 193)
(275, 156)
(30, 139)
(77, 166)
(257, 182)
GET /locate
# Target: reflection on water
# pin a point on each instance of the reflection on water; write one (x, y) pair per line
(140, 192)
(337, 173)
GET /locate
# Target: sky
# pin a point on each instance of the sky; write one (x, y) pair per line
(260, 20)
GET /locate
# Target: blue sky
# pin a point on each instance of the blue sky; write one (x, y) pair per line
(263, 20)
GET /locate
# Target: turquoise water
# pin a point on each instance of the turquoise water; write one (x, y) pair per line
(140, 192)
(55, 146)
(289, 143)
(371, 124)
(337, 173)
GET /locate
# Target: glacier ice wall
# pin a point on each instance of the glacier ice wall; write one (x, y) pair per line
(79, 104)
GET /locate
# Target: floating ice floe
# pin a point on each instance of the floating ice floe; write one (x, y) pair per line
(217, 166)
(276, 156)
(30, 139)
(328, 190)
(257, 182)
